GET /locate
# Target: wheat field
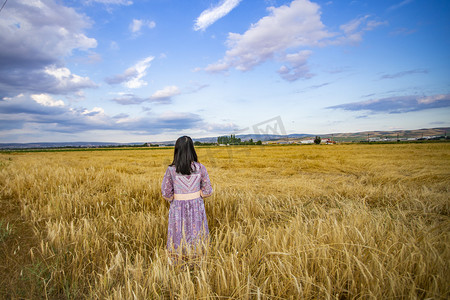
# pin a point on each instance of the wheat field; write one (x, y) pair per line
(347, 221)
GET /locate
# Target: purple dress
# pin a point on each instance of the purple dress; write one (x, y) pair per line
(186, 217)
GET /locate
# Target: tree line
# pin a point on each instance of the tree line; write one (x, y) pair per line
(233, 140)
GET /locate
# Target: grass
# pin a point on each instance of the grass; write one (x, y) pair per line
(5, 230)
(286, 222)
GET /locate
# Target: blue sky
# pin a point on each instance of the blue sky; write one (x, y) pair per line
(153, 70)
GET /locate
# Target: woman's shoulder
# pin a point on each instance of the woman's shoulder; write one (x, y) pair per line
(198, 165)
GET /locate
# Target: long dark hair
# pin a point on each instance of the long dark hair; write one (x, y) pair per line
(184, 155)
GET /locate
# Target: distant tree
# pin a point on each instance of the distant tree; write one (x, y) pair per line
(231, 140)
(259, 142)
(317, 140)
(223, 140)
(197, 143)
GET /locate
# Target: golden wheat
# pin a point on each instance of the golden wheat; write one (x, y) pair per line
(286, 222)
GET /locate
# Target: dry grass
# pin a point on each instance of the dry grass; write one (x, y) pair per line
(286, 222)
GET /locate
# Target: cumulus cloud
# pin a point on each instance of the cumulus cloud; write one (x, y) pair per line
(136, 25)
(296, 67)
(50, 79)
(29, 105)
(211, 15)
(46, 100)
(401, 104)
(28, 23)
(132, 77)
(286, 35)
(286, 27)
(404, 73)
(165, 94)
(24, 56)
(66, 81)
(49, 115)
(22, 117)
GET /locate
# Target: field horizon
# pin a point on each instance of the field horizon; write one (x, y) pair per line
(340, 136)
(345, 221)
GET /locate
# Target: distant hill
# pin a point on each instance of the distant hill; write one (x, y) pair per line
(416, 133)
(363, 135)
(354, 136)
(60, 145)
(255, 137)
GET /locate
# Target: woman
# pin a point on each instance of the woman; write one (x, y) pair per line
(185, 184)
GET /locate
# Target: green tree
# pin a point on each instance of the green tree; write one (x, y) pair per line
(317, 140)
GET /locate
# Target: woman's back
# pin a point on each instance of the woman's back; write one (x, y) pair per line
(176, 183)
(185, 184)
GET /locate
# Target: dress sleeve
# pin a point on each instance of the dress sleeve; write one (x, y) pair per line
(167, 186)
(205, 183)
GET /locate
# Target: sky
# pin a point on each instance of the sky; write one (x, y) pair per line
(153, 70)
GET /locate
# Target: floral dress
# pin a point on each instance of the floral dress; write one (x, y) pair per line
(188, 226)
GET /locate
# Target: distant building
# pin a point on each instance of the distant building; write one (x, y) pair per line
(307, 142)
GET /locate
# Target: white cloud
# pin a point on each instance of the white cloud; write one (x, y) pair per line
(162, 96)
(28, 23)
(211, 15)
(296, 25)
(136, 25)
(46, 100)
(283, 35)
(65, 80)
(24, 119)
(34, 36)
(166, 93)
(132, 77)
(297, 67)
(96, 111)
(141, 70)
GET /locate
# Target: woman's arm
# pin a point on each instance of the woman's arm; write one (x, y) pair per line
(205, 184)
(167, 186)
(203, 195)
(168, 199)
